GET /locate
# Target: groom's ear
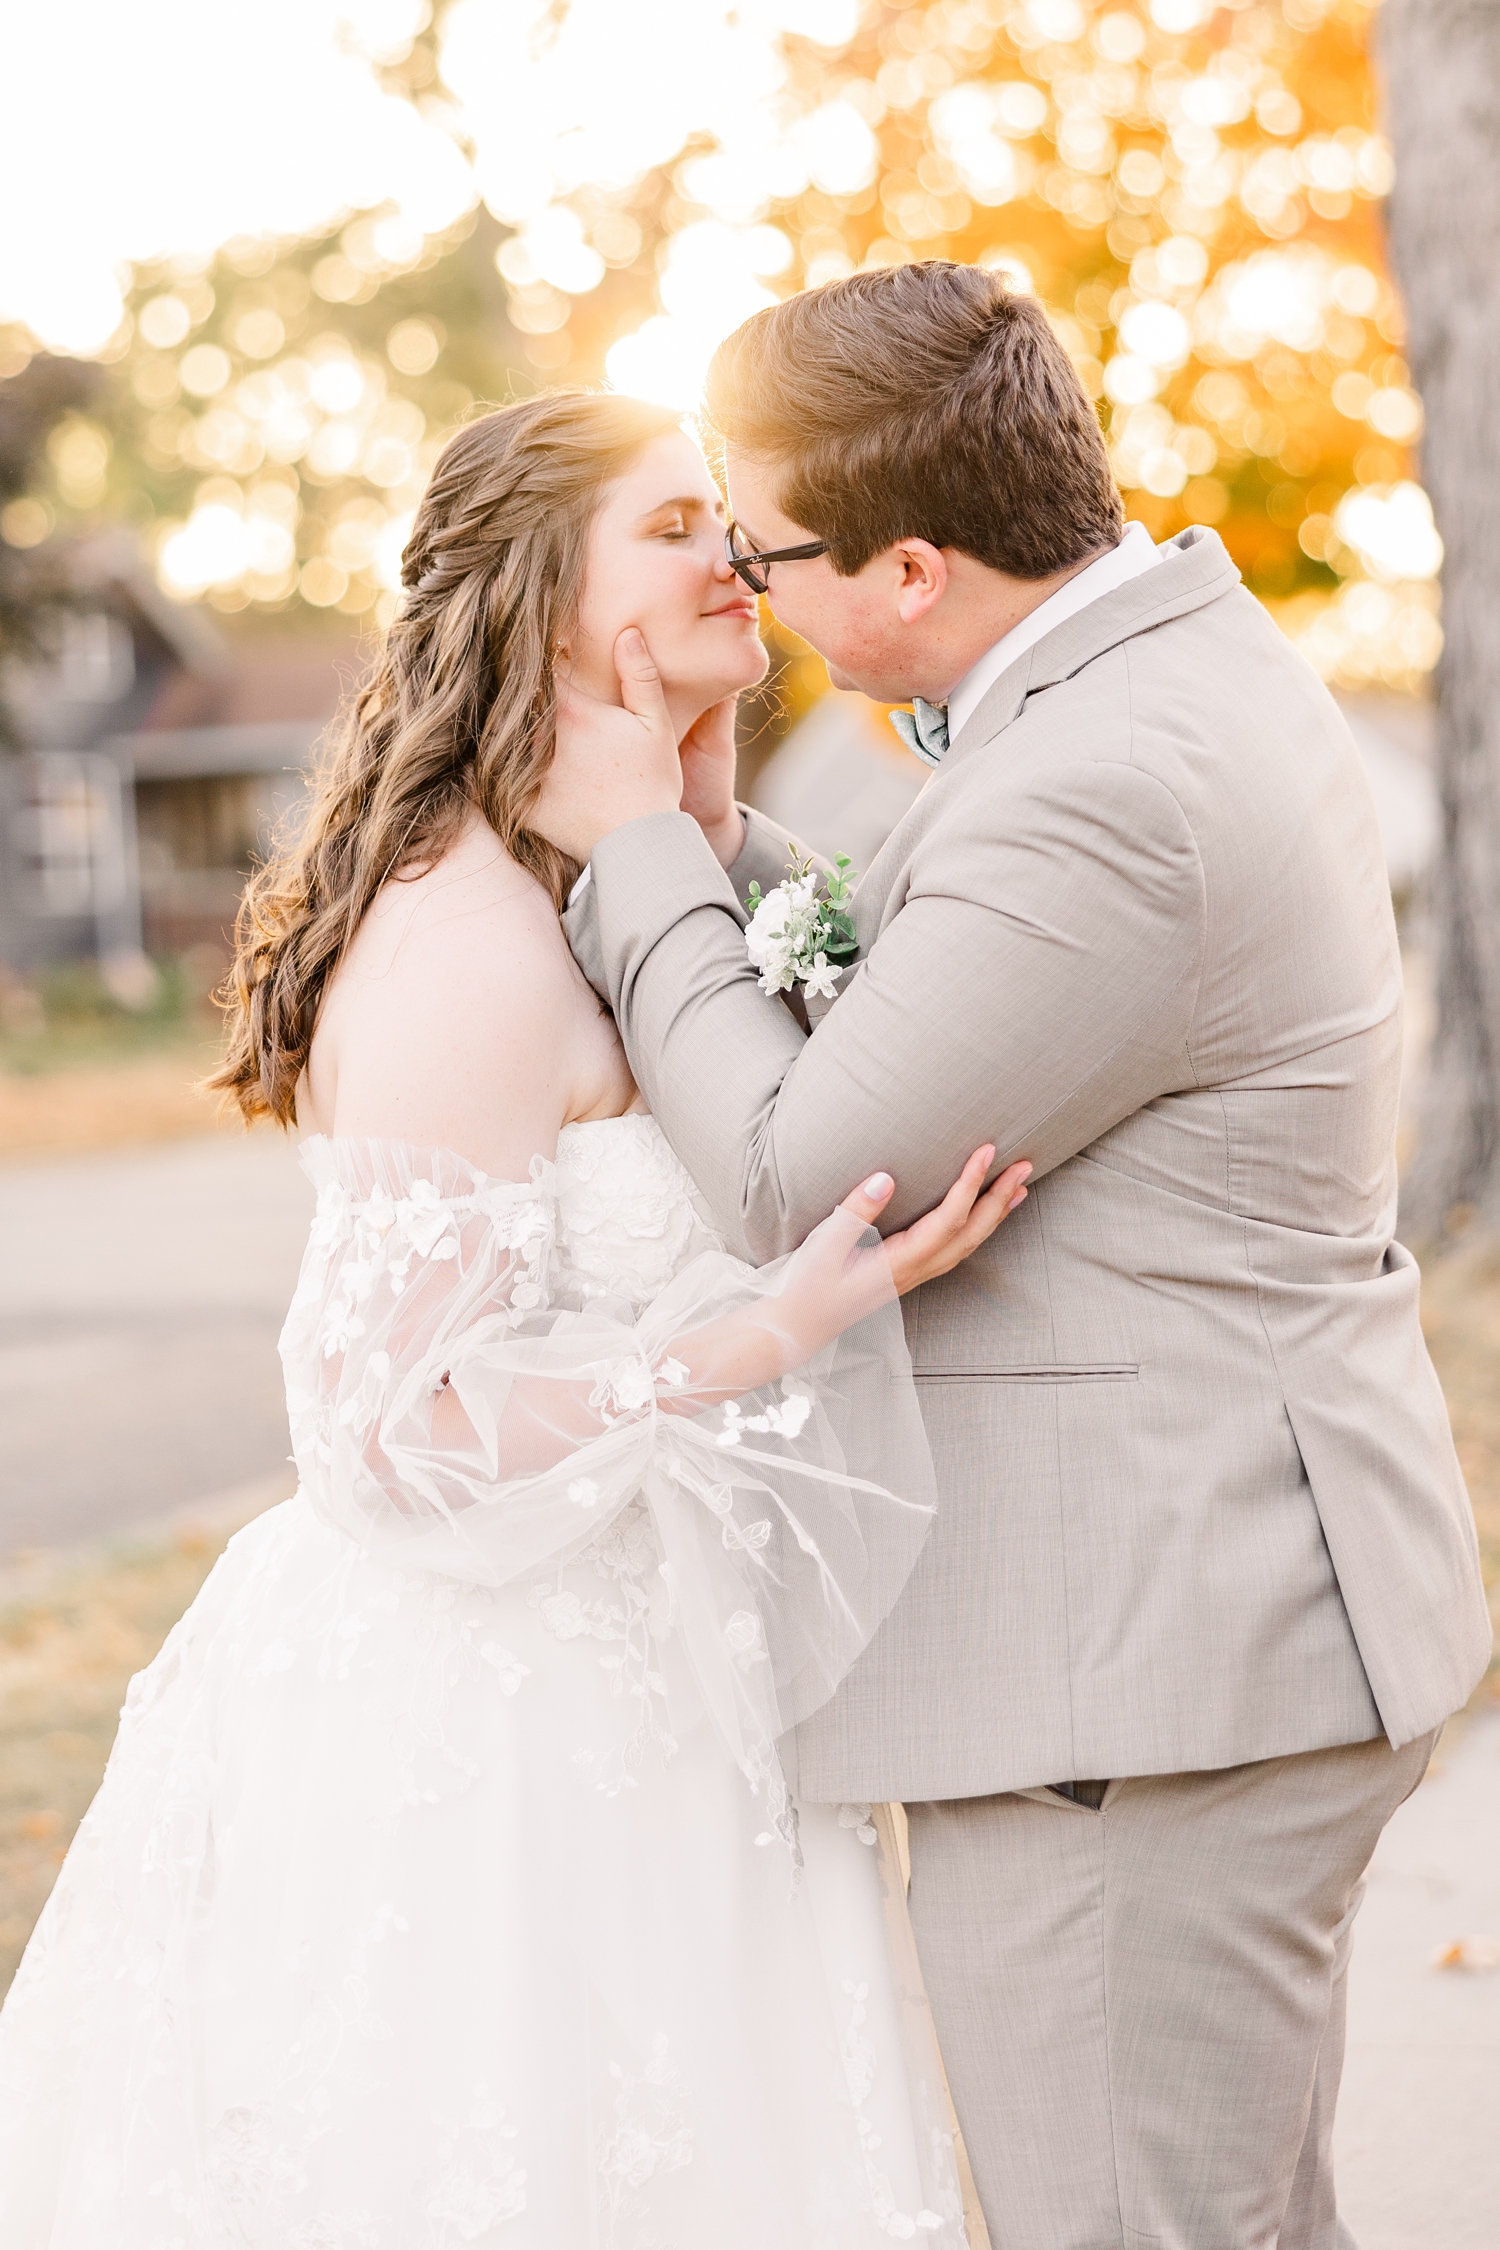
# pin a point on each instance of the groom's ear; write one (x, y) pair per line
(922, 578)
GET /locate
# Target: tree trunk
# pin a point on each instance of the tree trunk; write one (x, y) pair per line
(1442, 86)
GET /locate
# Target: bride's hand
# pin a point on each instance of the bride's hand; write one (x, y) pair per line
(707, 752)
(944, 1237)
(833, 1280)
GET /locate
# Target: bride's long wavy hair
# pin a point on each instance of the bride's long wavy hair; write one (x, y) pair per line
(457, 714)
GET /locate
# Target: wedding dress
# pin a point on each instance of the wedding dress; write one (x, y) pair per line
(444, 1887)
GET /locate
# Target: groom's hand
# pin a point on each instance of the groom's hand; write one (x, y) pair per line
(707, 751)
(614, 763)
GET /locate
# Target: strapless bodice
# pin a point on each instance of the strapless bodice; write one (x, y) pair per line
(612, 1214)
(628, 1216)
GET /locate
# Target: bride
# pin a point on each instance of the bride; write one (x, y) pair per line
(445, 1886)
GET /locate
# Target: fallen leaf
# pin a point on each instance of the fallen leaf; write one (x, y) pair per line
(1473, 1953)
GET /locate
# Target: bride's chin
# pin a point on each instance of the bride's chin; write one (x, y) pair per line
(754, 664)
(711, 687)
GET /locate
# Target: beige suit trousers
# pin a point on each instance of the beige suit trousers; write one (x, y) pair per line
(1141, 2007)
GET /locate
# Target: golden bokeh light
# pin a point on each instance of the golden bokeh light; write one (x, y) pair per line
(511, 192)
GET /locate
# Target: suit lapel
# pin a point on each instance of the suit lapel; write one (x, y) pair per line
(1195, 570)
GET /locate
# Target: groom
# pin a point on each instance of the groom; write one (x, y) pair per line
(1203, 1583)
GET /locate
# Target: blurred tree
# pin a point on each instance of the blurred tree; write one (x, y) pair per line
(285, 402)
(272, 414)
(1442, 68)
(36, 399)
(1192, 188)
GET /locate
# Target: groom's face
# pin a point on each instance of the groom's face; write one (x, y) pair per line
(873, 629)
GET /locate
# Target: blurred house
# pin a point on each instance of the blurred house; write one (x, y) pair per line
(841, 780)
(157, 757)
(222, 757)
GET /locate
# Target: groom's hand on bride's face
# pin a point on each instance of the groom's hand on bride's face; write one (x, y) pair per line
(614, 763)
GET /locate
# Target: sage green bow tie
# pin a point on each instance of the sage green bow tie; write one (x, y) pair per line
(924, 730)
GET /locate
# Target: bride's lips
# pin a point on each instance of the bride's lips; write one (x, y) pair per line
(746, 609)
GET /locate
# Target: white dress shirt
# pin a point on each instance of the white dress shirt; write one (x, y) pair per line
(1136, 552)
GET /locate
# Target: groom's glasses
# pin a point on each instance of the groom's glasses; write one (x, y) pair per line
(751, 569)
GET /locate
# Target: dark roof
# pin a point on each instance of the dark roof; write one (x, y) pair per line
(212, 698)
(272, 683)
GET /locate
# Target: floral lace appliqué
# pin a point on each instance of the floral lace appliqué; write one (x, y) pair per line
(385, 1234)
(625, 1554)
(652, 2136)
(482, 2182)
(861, 2061)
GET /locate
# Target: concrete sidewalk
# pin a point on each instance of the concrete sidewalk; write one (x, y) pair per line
(1418, 2133)
(141, 1295)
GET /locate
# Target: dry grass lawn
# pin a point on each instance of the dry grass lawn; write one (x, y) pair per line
(116, 1102)
(79, 1071)
(67, 1650)
(1461, 1317)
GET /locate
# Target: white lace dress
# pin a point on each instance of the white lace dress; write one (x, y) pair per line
(442, 1888)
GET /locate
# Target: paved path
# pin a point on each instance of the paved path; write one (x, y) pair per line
(1418, 2134)
(141, 1295)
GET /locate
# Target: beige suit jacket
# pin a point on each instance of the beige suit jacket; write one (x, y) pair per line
(1199, 1500)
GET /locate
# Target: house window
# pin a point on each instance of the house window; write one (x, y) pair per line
(95, 660)
(71, 834)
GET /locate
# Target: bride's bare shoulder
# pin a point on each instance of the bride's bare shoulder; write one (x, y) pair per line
(475, 911)
(458, 1015)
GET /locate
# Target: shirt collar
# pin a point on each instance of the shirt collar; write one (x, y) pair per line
(1137, 551)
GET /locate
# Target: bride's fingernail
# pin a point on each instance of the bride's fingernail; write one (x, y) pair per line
(879, 1183)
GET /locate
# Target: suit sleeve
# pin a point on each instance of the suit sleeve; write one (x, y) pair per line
(765, 852)
(1035, 987)
(763, 859)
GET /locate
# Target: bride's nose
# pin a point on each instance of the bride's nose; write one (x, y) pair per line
(722, 570)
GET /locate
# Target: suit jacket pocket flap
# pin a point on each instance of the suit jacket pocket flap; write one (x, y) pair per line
(1060, 1371)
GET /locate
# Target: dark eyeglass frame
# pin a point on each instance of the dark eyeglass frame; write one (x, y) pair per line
(750, 569)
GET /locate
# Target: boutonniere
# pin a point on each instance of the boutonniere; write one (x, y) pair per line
(798, 935)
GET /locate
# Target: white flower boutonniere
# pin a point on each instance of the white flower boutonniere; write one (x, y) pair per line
(796, 936)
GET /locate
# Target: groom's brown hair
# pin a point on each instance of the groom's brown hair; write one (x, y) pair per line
(928, 401)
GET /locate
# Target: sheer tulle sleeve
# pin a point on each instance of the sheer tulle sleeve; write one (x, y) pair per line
(455, 1411)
